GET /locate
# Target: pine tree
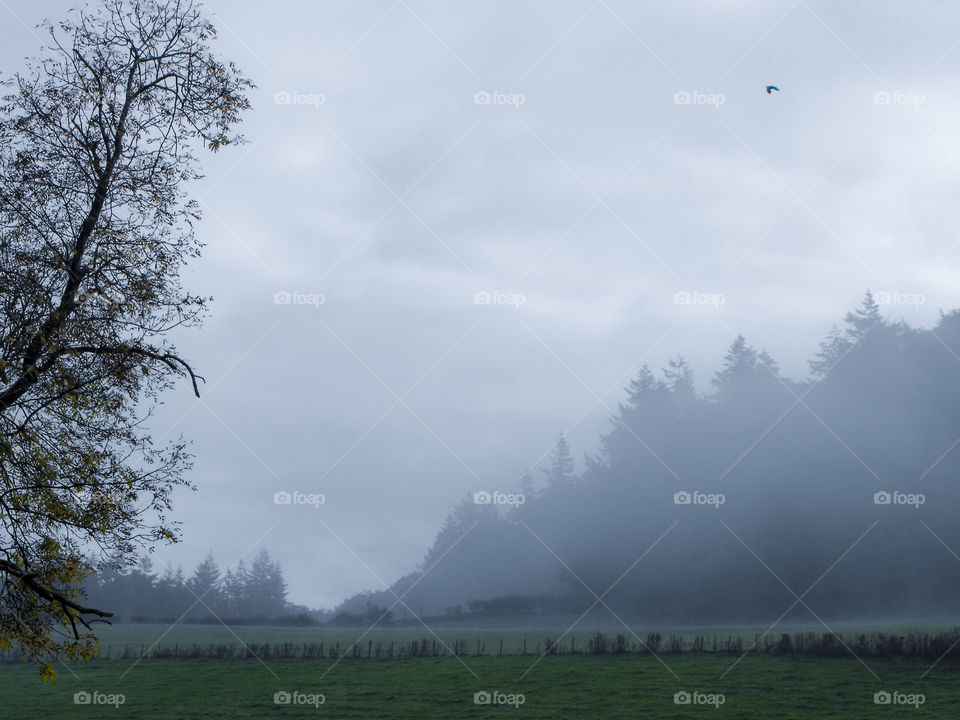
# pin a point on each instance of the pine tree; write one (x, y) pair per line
(859, 323)
(739, 367)
(265, 588)
(464, 516)
(863, 319)
(766, 362)
(145, 567)
(234, 588)
(644, 384)
(561, 472)
(680, 379)
(831, 352)
(205, 580)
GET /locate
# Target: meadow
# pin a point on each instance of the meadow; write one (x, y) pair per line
(581, 685)
(557, 687)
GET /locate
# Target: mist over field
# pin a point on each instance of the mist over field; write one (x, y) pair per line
(546, 319)
(588, 214)
(766, 499)
(468, 281)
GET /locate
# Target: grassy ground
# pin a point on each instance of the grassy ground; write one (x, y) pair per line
(579, 687)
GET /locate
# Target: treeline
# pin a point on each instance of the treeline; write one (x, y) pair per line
(939, 646)
(834, 496)
(238, 595)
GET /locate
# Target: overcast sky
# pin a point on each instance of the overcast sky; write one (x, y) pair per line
(628, 159)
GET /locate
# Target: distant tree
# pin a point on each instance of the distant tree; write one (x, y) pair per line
(204, 584)
(739, 368)
(646, 383)
(862, 320)
(170, 597)
(97, 143)
(649, 400)
(679, 378)
(838, 344)
(138, 589)
(266, 590)
(561, 472)
(832, 349)
(766, 362)
(461, 520)
(234, 590)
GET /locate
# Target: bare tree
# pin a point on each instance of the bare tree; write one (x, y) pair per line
(97, 143)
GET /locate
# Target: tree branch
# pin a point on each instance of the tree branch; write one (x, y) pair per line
(73, 610)
(174, 362)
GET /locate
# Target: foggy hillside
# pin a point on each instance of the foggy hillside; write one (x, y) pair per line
(731, 506)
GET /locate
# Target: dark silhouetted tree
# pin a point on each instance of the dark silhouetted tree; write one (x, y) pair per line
(97, 143)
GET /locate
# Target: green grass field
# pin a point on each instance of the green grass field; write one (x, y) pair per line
(584, 686)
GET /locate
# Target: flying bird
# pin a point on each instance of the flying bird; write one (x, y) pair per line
(771, 88)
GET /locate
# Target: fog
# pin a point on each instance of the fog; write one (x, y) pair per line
(831, 498)
(457, 233)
